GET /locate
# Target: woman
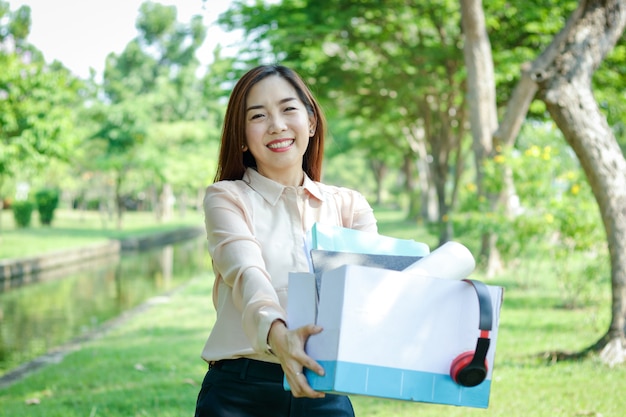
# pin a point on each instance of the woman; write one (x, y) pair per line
(265, 197)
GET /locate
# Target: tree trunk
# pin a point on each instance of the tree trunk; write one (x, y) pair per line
(479, 60)
(166, 202)
(566, 88)
(119, 202)
(561, 76)
(379, 169)
(481, 93)
(1, 204)
(408, 170)
(480, 79)
(416, 138)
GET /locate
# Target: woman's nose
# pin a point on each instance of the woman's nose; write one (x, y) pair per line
(277, 124)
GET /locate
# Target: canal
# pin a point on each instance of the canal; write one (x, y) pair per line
(47, 312)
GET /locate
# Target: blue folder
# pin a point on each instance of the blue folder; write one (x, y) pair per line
(342, 239)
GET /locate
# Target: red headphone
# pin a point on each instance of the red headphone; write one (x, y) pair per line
(470, 368)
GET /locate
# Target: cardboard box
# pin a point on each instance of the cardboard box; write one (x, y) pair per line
(393, 334)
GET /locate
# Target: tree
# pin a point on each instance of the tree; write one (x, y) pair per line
(161, 64)
(562, 78)
(395, 71)
(121, 132)
(481, 94)
(36, 101)
(565, 86)
(152, 84)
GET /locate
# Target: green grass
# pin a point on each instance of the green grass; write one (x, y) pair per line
(73, 229)
(394, 223)
(150, 365)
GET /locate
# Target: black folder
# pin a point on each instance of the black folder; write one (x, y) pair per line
(323, 261)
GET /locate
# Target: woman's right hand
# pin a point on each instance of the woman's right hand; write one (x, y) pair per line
(288, 346)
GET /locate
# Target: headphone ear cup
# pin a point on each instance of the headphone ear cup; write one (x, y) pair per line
(459, 363)
(466, 373)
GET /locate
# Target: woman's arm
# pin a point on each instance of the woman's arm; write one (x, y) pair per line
(238, 259)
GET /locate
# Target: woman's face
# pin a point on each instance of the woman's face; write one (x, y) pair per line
(278, 128)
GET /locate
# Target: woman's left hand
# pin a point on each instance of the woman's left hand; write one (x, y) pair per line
(288, 346)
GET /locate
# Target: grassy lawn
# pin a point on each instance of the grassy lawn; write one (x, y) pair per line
(150, 364)
(72, 229)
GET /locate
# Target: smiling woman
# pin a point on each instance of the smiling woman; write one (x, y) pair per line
(267, 195)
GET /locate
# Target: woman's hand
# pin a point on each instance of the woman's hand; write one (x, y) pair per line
(288, 346)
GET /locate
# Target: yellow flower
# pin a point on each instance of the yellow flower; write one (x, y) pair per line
(499, 159)
(533, 151)
(575, 189)
(471, 187)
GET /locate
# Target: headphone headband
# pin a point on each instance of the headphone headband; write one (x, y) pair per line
(485, 320)
(470, 368)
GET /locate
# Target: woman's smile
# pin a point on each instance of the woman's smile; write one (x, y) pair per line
(281, 145)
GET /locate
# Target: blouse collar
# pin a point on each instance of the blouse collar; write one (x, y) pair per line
(271, 190)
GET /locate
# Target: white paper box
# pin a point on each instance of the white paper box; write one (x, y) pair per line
(392, 334)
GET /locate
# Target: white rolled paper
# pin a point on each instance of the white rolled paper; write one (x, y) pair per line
(451, 260)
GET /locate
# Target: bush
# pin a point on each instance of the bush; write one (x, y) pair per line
(22, 212)
(47, 201)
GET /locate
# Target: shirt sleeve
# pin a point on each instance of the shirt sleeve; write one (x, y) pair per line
(356, 212)
(237, 258)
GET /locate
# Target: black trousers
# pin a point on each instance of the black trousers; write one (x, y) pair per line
(249, 388)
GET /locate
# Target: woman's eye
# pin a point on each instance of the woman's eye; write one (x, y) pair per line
(257, 116)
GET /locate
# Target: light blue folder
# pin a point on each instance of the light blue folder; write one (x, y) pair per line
(342, 239)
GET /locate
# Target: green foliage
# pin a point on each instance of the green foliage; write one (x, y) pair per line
(151, 133)
(122, 127)
(517, 33)
(22, 212)
(160, 64)
(37, 103)
(14, 24)
(47, 201)
(191, 159)
(35, 114)
(349, 170)
(556, 214)
(391, 73)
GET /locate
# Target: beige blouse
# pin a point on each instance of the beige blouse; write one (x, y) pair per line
(255, 231)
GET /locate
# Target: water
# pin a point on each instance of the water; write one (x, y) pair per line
(53, 310)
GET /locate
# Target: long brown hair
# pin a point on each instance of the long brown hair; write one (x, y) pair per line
(232, 160)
